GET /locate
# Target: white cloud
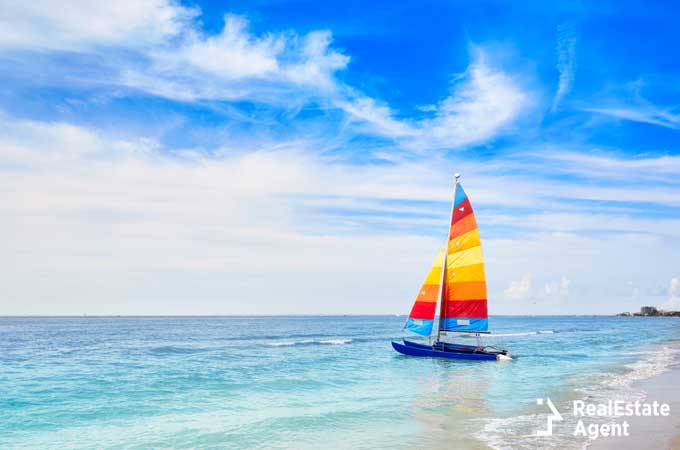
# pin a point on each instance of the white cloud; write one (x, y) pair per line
(318, 62)
(217, 67)
(560, 287)
(158, 46)
(673, 303)
(233, 53)
(142, 228)
(82, 24)
(483, 101)
(518, 289)
(566, 61)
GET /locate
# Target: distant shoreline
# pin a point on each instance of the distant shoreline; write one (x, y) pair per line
(123, 316)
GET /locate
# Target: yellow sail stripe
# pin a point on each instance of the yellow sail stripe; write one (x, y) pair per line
(462, 274)
(464, 258)
(464, 241)
(434, 277)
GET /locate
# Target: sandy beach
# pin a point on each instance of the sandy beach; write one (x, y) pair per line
(652, 433)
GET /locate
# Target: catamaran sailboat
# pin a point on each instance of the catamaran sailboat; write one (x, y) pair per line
(456, 280)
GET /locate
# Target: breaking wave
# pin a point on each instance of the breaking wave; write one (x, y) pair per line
(310, 342)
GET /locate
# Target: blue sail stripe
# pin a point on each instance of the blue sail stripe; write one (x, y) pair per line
(419, 326)
(460, 196)
(452, 324)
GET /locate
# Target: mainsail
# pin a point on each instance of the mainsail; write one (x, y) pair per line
(422, 314)
(463, 306)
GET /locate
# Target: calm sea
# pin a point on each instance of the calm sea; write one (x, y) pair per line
(306, 382)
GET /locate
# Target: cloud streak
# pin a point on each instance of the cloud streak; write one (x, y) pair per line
(644, 114)
(566, 62)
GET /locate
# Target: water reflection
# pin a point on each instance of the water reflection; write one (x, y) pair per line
(454, 400)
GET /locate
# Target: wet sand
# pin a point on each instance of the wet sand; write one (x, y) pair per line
(651, 433)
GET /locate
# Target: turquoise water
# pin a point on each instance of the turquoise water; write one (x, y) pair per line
(305, 382)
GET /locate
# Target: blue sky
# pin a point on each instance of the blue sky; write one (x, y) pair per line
(297, 157)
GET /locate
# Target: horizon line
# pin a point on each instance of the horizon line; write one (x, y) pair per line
(273, 315)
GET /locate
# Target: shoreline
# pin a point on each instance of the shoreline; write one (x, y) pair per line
(651, 433)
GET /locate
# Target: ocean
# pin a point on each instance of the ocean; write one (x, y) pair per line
(305, 382)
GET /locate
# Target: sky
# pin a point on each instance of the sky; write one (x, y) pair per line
(297, 157)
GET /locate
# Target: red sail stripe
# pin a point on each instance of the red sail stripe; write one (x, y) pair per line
(473, 309)
(462, 211)
(423, 310)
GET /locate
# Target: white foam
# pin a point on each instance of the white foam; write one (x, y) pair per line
(526, 333)
(655, 363)
(309, 342)
(290, 343)
(336, 341)
(519, 433)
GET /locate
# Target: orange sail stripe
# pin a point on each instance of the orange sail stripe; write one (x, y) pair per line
(428, 293)
(470, 290)
(467, 223)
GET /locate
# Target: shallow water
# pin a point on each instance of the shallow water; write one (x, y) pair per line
(306, 382)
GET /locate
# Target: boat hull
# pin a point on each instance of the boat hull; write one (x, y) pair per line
(448, 351)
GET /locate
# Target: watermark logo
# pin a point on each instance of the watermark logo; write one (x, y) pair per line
(555, 415)
(596, 420)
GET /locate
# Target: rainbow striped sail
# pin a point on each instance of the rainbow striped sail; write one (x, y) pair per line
(421, 318)
(462, 286)
(463, 305)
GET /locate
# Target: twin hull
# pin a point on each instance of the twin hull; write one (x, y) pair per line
(450, 351)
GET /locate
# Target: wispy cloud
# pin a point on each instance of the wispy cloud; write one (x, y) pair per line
(518, 289)
(641, 113)
(159, 47)
(566, 61)
(594, 163)
(166, 53)
(483, 100)
(557, 288)
(236, 64)
(626, 101)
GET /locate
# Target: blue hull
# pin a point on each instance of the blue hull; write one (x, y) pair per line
(450, 351)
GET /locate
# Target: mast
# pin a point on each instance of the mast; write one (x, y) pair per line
(448, 232)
